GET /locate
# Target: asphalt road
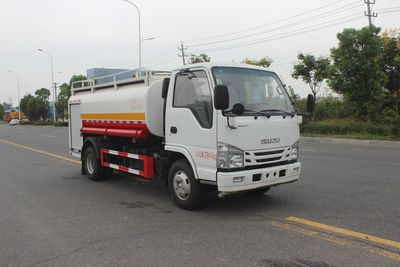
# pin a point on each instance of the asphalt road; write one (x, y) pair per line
(50, 215)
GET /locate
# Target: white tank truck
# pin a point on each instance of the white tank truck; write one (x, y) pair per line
(230, 127)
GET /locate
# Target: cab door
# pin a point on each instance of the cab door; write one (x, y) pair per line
(190, 126)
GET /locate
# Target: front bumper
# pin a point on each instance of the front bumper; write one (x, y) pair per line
(253, 179)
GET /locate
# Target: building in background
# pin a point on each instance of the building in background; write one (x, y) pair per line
(13, 113)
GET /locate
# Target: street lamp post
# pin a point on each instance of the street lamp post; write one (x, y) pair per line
(140, 34)
(55, 84)
(19, 105)
(52, 83)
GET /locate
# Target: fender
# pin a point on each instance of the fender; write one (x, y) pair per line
(93, 142)
(187, 155)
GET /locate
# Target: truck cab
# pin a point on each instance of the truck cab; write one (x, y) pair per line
(250, 142)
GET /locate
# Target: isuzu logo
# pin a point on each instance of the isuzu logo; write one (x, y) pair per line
(268, 141)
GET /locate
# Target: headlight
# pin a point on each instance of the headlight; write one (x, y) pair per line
(229, 156)
(295, 151)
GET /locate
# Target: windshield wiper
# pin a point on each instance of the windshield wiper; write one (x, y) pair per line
(238, 109)
(279, 110)
(260, 113)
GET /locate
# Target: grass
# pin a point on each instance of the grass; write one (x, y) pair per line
(359, 136)
(351, 129)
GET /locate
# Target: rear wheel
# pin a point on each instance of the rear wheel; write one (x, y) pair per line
(93, 168)
(185, 189)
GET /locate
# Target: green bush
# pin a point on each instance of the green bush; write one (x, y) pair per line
(350, 127)
(25, 122)
(332, 108)
(61, 124)
(42, 123)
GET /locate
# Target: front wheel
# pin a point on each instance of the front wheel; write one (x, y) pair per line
(185, 189)
(93, 168)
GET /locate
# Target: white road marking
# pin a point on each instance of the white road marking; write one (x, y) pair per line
(45, 135)
(304, 149)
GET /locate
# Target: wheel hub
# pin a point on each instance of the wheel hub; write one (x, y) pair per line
(90, 163)
(181, 184)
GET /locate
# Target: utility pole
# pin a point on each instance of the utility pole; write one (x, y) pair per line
(55, 89)
(182, 54)
(52, 82)
(55, 101)
(368, 13)
(140, 35)
(19, 106)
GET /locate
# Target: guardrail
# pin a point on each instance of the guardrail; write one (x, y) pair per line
(115, 79)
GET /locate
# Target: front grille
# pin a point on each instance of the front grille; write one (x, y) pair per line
(268, 156)
(265, 153)
(268, 159)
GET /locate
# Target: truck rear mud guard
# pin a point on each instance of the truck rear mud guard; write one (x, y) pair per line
(148, 163)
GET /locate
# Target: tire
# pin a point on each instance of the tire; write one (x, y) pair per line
(185, 190)
(93, 169)
(259, 191)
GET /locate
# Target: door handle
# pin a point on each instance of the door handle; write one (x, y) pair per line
(174, 130)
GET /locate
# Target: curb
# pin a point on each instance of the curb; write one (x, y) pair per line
(330, 140)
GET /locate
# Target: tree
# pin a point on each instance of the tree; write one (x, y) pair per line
(390, 115)
(298, 103)
(391, 66)
(199, 59)
(263, 62)
(1, 112)
(313, 71)
(42, 97)
(76, 78)
(24, 103)
(42, 94)
(62, 100)
(33, 109)
(7, 106)
(295, 98)
(357, 69)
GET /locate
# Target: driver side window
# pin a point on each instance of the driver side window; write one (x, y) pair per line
(192, 91)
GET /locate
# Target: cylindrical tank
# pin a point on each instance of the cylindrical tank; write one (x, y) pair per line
(131, 110)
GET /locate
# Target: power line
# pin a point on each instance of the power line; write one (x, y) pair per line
(269, 24)
(287, 34)
(387, 8)
(296, 23)
(172, 53)
(390, 11)
(163, 62)
(154, 58)
(278, 36)
(161, 52)
(149, 62)
(155, 54)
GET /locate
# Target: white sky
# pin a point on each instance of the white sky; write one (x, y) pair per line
(83, 34)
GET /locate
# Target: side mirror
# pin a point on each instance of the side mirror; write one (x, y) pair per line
(165, 86)
(310, 103)
(221, 97)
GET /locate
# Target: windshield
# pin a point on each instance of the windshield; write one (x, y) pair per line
(256, 90)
